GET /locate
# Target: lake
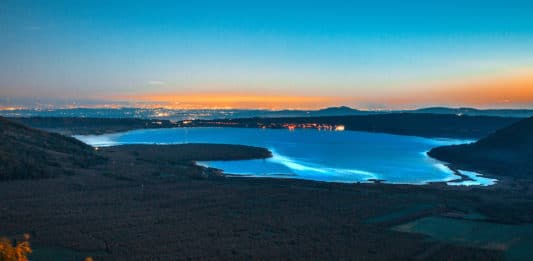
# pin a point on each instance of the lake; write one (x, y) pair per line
(331, 156)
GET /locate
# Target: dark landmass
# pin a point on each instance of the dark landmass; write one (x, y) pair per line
(152, 202)
(414, 124)
(132, 208)
(194, 151)
(331, 111)
(30, 153)
(172, 161)
(507, 152)
(517, 113)
(90, 126)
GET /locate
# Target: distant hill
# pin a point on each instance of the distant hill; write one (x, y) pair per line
(506, 152)
(347, 111)
(82, 125)
(331, 111)
(414, 124)
(517, 113)
(30, 153)
(339, 111)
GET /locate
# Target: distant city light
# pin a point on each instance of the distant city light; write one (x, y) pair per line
(339, 128)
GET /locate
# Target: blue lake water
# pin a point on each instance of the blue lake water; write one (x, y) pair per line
(346, 156)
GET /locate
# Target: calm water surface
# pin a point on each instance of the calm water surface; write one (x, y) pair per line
(348, 156)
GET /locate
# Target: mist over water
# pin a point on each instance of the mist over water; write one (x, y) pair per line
(348, 156)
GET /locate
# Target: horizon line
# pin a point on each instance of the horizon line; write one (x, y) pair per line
(162, 107)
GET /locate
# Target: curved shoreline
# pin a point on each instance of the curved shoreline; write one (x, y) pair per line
(149, 201)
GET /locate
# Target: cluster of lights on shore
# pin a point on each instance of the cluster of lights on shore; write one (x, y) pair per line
(292, 126)
(289, 126)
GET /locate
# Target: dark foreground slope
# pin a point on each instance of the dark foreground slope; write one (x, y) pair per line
(507, 152)
(414, 124)
(134, 215)
(150, 202)
(30, 153)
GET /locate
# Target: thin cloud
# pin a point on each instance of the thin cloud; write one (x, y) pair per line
(33, 28)
(156, 83)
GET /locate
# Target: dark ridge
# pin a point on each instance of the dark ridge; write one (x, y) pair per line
(193, 152)
(414, 124)
(517, 113)
(83, 126)
(30, 153)
(339, 111)
(506, 152)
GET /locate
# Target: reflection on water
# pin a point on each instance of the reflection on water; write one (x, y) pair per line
(477, 179)
(348, 156)
(284, 167)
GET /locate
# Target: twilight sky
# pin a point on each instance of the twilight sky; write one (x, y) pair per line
(268, 54)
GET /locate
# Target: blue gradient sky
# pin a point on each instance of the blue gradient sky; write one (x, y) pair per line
(366, 54)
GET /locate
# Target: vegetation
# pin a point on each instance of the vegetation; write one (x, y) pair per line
(414, 124)
(507, 152)
(15, 251)
(30, 153)
(84, 126)
(179, 153)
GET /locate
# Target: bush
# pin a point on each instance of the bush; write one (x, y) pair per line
(10, 251)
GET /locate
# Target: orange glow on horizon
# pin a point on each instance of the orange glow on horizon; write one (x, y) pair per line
(498, 91)
(512, 89)
(501, 91)
(234, 101)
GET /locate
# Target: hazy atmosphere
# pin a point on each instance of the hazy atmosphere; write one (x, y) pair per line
(266, 130)
(268, 55)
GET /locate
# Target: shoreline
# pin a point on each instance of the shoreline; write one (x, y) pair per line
(177, 208)
(371, 180)
(462, 178)
(140, 194)
(457, 172)
(151, 201)
(407, 124)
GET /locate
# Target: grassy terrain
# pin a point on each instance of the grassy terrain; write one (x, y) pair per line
(147, 202)
(30, 153)
(131, 214)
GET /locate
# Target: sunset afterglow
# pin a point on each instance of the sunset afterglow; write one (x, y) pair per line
(266, 130)
(272, 55)
(499, 91)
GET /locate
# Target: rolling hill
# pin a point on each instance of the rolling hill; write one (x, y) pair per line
(30, 153)
(517, 113)
(506, 152)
